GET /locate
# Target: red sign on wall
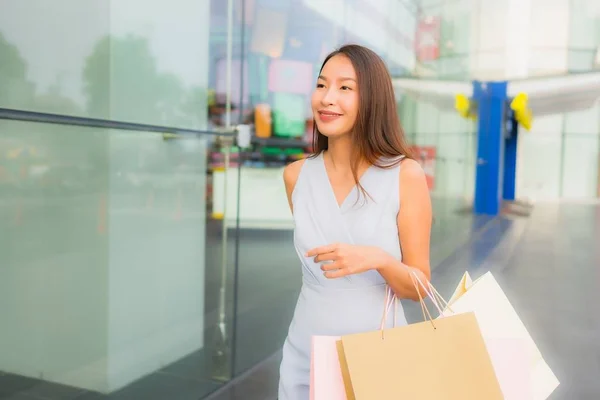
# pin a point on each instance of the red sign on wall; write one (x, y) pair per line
(427, 40)
(425, 155)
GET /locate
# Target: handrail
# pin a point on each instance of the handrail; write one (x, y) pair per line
(47, 118)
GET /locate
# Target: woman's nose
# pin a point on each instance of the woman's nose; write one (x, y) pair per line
(328, 97)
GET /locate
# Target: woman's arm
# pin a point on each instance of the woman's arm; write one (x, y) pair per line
(290, 177)
(414, 230)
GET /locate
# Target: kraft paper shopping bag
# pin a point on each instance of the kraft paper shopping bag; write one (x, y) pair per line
(504, 332)
(327, 377)
(442, 359)
(326, 382)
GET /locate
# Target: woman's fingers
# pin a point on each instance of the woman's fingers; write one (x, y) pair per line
(331, 266)
(322, 250)
(331, 256)
(338, 273)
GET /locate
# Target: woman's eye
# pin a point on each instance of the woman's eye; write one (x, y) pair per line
(345, 88)
(320, 85)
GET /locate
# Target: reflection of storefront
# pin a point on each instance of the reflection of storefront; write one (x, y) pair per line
(427, 43)
(425, 155)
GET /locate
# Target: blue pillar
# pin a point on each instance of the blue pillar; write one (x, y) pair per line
(491, 102)
(510, 159)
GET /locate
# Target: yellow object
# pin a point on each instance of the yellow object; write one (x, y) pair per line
(167, 136)
(462, 104)
(211, 97)
(262, 120)
(523, 113)
(218, 215)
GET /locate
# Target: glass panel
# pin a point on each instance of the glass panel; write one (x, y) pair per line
(266, 255)
(580, 166)
(539, 159)
(443, 40)
(488, 65)
(584, 21)
(548, 61)
(581, 151)
(286, 43)
(445, 145)
(109, 269)
(582, 60)
(120, 60)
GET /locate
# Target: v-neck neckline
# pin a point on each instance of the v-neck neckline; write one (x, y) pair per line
(340, 206)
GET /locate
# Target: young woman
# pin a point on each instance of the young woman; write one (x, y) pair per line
(361, 208)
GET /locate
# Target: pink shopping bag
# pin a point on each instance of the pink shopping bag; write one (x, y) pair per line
(326, 382)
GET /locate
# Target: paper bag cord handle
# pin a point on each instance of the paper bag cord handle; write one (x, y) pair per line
(391, 298)
(434, 295)
(424, 309)
(430, 290)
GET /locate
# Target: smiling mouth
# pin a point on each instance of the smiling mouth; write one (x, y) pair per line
(329, 114)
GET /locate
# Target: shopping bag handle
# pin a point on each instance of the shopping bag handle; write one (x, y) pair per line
(428, 288)
(424, 308)
(432, 293)
(390, 299)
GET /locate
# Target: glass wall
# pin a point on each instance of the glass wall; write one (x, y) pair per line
(112, 60)
(110, 272)
(584, 35)
(284, 43)
(559, 157)
(445, 39)
(124, 252)
(469, 39)
(446, 146)
(103, 258)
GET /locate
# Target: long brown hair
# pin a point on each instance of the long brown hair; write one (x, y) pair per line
(378, 137)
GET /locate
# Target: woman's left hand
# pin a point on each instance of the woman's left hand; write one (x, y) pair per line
(341, 259)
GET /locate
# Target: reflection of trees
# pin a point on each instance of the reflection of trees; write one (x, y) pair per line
(122, 82)
(19, 93)
(27, 146)
(15, 90)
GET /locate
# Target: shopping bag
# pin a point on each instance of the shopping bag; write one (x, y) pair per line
(462, 287)
(504, 334)
(447, 360)
(437, 359)
(326, 381)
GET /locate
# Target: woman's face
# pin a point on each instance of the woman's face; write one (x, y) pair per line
(335, 99)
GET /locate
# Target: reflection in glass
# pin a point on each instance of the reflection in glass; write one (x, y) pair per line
(110, 61)
(103, 255)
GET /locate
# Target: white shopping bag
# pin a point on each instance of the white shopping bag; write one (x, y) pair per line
(520, 368)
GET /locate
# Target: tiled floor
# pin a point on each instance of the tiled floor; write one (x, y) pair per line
(549, 267)
(546, 263)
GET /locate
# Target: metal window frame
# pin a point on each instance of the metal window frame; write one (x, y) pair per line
(48, 118)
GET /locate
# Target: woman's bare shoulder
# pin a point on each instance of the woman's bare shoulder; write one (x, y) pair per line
(291, 173)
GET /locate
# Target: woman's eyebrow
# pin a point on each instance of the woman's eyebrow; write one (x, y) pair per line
(343, 78)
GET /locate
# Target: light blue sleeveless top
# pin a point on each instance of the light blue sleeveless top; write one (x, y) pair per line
(345, 305)
(359, 220)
